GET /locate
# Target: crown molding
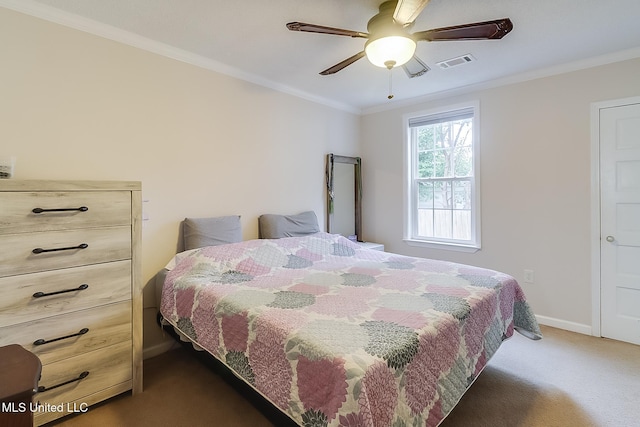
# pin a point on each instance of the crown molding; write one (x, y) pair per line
(51, 14)
(57, 16)
(597, 61)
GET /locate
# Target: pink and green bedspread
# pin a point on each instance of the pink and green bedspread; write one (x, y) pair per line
(337, 335)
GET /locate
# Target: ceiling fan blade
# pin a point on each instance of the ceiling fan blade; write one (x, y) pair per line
(312, 28)
(415, 67)
(475, 31)
(408, 10)
(343, 64)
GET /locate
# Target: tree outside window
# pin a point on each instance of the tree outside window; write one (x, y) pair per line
(442, 178)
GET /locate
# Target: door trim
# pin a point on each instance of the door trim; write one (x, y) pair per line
(595, 206)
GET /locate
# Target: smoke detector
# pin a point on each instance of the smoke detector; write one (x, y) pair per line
(454, 62)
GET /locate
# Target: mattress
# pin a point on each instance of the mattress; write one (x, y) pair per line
(334, 334)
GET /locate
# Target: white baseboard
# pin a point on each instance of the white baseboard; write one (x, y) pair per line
(565, 324)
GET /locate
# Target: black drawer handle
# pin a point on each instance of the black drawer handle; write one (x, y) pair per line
(43, 341)
(70, 248)
(43, 294)
(82, 375)
(41, 210)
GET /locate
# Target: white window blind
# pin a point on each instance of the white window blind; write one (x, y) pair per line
(442, 193)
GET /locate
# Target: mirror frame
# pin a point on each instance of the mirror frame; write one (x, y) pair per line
(357, 163)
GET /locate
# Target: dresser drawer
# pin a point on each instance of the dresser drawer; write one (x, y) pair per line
(88, 209)
(103, 245)
(106, 283)
(66, 335)
(71, 287)
(106, 367)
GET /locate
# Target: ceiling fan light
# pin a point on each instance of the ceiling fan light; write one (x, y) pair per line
(392, 49)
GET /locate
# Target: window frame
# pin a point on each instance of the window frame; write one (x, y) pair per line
(410, 195)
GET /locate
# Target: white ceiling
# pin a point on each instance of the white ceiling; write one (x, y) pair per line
(248, 39)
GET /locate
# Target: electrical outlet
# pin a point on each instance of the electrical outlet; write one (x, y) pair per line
(528, 276)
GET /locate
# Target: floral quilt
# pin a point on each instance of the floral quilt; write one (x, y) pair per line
(334, 334)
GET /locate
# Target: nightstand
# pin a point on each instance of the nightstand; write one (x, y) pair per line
(372, 245)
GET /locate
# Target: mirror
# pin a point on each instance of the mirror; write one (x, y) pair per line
(344, 194)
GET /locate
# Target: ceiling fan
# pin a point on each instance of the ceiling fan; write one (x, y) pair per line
(389, 42)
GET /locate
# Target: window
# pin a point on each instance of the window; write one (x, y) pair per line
(442, 191)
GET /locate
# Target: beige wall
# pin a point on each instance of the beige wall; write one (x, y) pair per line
(76, 106)
(535, 181)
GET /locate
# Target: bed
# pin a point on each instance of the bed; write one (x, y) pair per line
(334, 334)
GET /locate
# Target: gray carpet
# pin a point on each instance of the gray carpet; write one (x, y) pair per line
(566, 379)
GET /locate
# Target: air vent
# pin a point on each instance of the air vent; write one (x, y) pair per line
(454, 62)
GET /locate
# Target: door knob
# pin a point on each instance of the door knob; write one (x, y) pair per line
(610, 239)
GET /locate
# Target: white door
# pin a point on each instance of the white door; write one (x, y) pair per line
(620, 222)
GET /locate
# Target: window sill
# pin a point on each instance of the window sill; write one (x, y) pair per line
(442, 246)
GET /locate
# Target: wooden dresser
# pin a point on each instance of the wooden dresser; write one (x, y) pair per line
(70, 287)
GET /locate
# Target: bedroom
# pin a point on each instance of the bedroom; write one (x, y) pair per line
(79, 106)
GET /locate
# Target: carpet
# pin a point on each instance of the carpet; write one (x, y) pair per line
(565, 379)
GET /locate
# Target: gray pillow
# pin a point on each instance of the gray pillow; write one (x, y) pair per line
(200, 232)
(271, 226)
